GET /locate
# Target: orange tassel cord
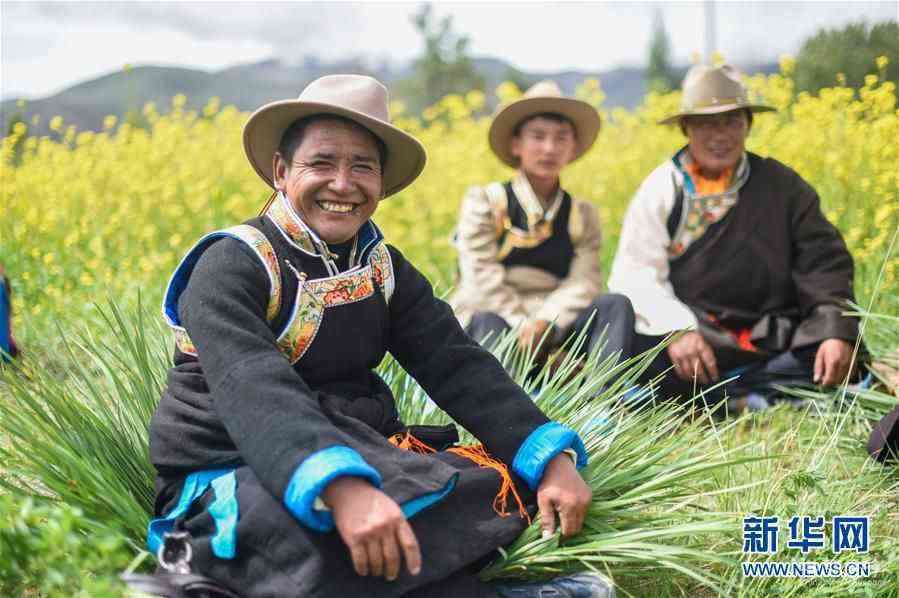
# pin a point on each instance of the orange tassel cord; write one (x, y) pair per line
(408, 442)
(476, 454)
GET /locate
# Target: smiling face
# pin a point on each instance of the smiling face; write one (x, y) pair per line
(333, 179)
(717, 141)
(544, 146)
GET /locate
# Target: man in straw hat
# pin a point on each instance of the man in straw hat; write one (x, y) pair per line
(280, 450)
(733, 249)
(528, 250)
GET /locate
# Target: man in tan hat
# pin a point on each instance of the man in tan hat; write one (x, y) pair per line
(529, 251)
(733, 249)
(278, 447)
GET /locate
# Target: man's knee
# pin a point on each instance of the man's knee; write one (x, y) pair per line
(614, 307)
(486, 323)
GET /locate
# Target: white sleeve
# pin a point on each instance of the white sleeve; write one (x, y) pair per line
(640, 268)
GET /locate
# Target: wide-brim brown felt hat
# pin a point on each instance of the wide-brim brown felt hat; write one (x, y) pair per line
(358, 98)
(713, 90)
(544, 96)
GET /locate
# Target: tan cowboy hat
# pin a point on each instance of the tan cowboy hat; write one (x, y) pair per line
(362, 100)
(713, 90)
(544, 96)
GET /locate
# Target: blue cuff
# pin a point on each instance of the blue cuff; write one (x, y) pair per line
(541, 446)
(316, 472)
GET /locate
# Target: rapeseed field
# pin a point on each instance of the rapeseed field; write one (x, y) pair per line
(89, 217)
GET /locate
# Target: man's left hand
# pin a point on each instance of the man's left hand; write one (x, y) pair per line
(563, 491)
(832, 361)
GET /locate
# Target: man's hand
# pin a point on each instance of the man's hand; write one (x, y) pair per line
(832, 361)
(693, 358)
(373, 527)
(531, 333)
(563, 491)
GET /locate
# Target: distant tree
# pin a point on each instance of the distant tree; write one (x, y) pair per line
(445, 67)
(660, 76)
(521, 81)
(852, 51)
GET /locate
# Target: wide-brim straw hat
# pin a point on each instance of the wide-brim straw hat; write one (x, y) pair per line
(713, 90)
(358, 98)
(544, 96)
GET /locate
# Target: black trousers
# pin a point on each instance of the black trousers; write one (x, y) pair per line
(752, 373)
(610, 313)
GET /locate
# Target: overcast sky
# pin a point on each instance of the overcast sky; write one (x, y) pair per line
(47, 47)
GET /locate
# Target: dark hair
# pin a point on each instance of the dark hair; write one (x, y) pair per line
(293, 136)
(683, 127)
(553, 116)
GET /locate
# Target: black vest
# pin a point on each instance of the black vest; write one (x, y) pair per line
(555, 254)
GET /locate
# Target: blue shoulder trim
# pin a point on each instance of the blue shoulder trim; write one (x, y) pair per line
(178, 282)
(369, 237)
(316, 472)
(541, 446)
(255, 240)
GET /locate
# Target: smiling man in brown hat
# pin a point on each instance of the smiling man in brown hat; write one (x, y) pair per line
(733, 249)
(280, 450)
(529, 251)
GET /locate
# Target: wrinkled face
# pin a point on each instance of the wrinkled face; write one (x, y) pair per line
(717, 141)
(333, 180)
(544, 146)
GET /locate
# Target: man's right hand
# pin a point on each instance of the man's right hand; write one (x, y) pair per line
(373, 527)
(693, 358)
(533, 332)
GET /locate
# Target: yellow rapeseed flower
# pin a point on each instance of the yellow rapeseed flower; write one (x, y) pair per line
(120, 207)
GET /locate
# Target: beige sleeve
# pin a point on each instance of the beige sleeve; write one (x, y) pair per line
(584, 280)
(640, 268)
(482, 274)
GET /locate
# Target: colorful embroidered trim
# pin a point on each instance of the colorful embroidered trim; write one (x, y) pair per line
(540, 221)
(705, 186)
(315, 296)
(706, 201)
(290, 225)
(382, 268)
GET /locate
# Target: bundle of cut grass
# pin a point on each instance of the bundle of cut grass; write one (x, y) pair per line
(82, 438)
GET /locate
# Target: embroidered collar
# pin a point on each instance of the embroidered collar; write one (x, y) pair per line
(704, 202)
(531, 204)
(301, 236)
(685, 165)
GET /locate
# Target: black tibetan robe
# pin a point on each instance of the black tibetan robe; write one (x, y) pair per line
(241, 406)
(774, 264)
